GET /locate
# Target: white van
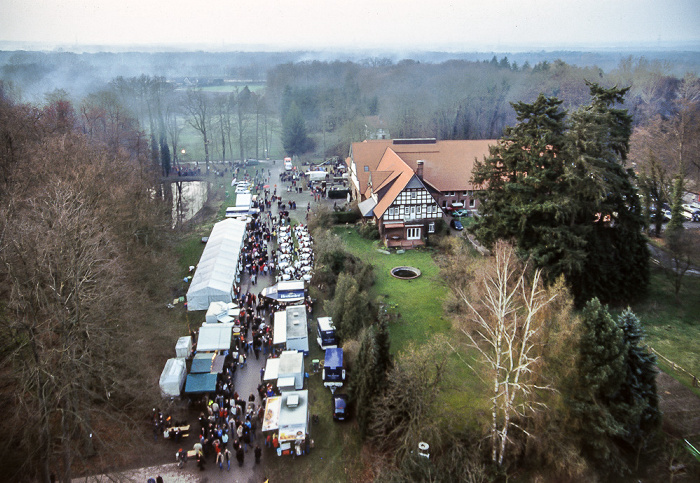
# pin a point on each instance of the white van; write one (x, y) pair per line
(288, 164)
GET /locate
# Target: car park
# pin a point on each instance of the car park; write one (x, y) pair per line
(457, 225)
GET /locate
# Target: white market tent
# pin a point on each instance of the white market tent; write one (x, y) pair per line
(214, 337)
(292, 365)
(183, 348)
(279, 332)
(172, 378)
(218, 266)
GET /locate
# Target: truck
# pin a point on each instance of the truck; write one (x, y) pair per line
(327, 338)
(333, 371)
(288, 415)
(290, 329)
(316, 175)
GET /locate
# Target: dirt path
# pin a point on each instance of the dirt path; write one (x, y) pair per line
(680, 406)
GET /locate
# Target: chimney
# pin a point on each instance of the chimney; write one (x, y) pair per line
(419, 169)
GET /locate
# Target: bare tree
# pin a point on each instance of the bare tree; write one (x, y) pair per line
(682, 246)
(505, 325)
(197, 106)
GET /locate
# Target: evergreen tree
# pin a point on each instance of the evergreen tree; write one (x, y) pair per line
(294, 136)
(562, 196)
(165, 155)
(606, 206)
(594, 397)
(638, 390)
(676, 222)
(362, 386)
(370, 372)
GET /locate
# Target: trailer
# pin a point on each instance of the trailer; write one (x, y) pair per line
(288, 415)
(326, 335)
(333, 371)
(291, 329)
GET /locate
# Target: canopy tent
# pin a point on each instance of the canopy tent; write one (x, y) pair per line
(200, 383)
(214, 337)
(183, 348)
(272, 369)
(221, 312)
(173, 377)
(279, 330)
(292, 365)
(202, 362)
(218, 266)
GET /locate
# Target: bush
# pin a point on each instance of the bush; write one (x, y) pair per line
(342, 217)
(368, 231)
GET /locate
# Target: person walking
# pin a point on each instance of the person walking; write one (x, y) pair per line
(258, 453)
(240, 456)
(227, 458)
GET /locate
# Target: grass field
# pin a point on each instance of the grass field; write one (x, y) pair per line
(672, 324)
(420, 303)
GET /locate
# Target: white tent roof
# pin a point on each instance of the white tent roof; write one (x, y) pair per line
(279, 332)
(214, 337)
(173, 377)
(217, 268)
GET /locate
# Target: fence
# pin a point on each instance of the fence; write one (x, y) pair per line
(677, 367)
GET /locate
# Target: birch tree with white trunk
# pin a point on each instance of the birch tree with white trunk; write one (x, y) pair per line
(506, 323)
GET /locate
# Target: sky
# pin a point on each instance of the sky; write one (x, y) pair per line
(452, 25)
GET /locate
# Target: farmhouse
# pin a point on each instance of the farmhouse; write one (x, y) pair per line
(407, 184)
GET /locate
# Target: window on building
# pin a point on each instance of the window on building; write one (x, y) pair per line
(406, 211)
(472, 203)
(413, 195)
(444, 203)
(431, 227)
(464, 193)
(391, 211)
(366, 169)
(413, 234)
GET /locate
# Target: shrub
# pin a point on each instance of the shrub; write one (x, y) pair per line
(368, 231)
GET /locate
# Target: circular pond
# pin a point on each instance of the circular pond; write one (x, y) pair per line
(405, 273)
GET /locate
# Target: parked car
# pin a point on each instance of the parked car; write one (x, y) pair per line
(340, 407)
(457, 225)
(461, 213)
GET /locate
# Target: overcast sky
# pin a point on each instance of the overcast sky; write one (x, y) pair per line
(457, 25)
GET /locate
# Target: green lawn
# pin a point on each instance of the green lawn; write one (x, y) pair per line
(418, 301)
(672, 324)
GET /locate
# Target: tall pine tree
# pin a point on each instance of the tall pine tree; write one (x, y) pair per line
(561, 194)
(595, 392)
(638, 390)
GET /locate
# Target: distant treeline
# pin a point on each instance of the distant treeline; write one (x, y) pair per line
(80, 73)
(457, 99)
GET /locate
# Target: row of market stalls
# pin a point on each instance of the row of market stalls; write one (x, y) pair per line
(219, 267)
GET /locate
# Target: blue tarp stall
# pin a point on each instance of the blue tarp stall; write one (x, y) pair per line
(202, 363)
(200, 383)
